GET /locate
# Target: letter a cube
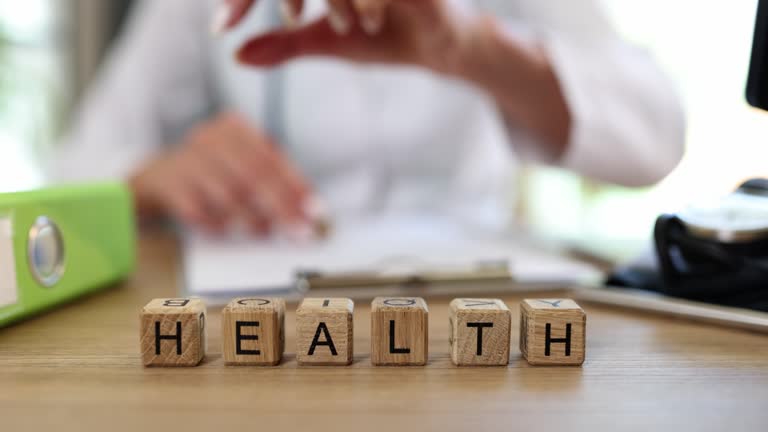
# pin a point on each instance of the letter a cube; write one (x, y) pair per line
(253, 331)
(399, 329)
(324, 331)
(479, 332)
(173, 332)
(552, 332)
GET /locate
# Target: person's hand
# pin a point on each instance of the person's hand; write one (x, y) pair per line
(429, 33)
(226, 171)
(434, 34)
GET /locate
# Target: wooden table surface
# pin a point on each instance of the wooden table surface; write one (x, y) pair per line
(78, 369)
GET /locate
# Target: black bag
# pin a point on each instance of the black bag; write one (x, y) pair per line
(696, 267)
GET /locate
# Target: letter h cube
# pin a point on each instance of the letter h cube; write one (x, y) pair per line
(552, 332)
(173, 332)
(479, 332)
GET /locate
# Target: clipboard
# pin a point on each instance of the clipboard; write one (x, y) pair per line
(371, 257)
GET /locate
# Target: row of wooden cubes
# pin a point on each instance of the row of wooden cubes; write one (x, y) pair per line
(552, 332)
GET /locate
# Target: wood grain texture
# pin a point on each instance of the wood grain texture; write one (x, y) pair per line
(479, 332)
(173, 332)
(77, 368)
(253, 331)
(553, 332)
(399, 331)
(324, 331)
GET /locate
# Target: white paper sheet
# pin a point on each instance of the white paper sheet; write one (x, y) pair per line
(8, 284)
(390, 243)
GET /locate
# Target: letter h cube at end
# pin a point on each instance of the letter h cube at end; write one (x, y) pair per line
(173, 332)
(552, 332)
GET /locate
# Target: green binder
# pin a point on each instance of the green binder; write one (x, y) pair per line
(59, 243)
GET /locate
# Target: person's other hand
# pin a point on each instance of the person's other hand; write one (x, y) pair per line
(429, 33)
(226, 171)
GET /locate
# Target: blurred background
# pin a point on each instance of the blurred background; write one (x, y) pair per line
(51, 49)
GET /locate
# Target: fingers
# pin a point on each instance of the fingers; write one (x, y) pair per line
(276, 197)
(225, 172)
(216, 187)
(257, 222)
(229, 13)
(161, 187)
(291, 12)
(371, 14)
(341, 16)
(341, 33)
(185, 206)
(183, 199)
(274, 185)
(317, 38)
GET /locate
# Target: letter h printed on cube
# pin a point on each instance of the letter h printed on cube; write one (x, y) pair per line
(552, 332)
(173, 332)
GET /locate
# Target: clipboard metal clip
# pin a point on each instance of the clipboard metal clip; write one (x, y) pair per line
(481, 272)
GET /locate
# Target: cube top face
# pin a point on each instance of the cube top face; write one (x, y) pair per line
(256, 304)
(174, 305)
(173, 332)
(551, 304)
(399, 331)
(398, 304)
(253, 331)
(479, 332)
(552, 332)
(325, 305)
(490, 306)
(324, 332)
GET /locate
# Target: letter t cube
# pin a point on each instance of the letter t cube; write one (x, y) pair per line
(479, 332)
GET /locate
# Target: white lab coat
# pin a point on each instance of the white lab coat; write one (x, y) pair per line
(370, 136)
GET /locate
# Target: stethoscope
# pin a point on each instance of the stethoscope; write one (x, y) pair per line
(274, 91)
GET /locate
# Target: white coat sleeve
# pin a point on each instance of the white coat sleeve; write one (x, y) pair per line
(627, 123)
(154, 84)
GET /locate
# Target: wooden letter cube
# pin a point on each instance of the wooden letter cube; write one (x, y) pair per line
(254, 331)
(324, 331)
(552, 332)
(173, 332)
(479, 332)
(399, 331)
